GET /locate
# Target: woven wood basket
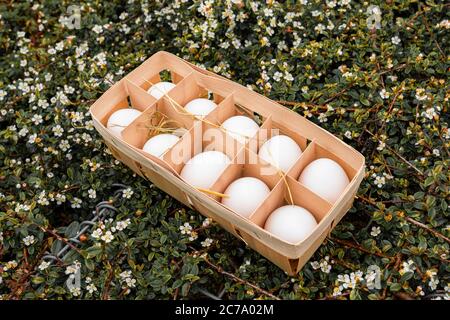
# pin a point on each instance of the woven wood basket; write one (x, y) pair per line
(232, 99)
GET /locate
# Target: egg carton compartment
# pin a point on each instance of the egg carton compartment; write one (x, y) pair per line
(228, 109)
(315, 151)
(245, 164)
(158, 69)
(189, 89)
(271, 128)
(121, 95)
(157, 119)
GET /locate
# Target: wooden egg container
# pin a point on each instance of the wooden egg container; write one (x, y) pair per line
(232, 99)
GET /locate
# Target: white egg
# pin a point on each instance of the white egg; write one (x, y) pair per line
(326, 178)
(245, 195)
(205, 168)
(121, 119)
(291, 223)
(200, 107)
(281, 151)
(159, 144)
(240, 127)
(160, 89)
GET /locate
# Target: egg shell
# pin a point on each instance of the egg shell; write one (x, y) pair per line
(281, 151)
(204, 169)
(200, 107)
(291, 223)
(159, 144)
(120, 119)
(245, 195)
(240, 128)
(326, 178)
(158, 90)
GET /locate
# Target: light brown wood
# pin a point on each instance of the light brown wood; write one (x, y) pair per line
(233, 99)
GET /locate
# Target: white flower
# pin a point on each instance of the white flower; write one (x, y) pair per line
(375, 231)
(125, 274)
(92, 193)
(384, 94)
(380, 181)
(107, 237)
(381, 146)
(37, 119)
(76, 203)
(58, 131)
(75, 291)
(10, 265)
(421, 94)
(97, 29)
(207, 242)
(2, 94)
(44, 265)
(186, 228)
(429, 113)
(193, 236)
(268, 12)
(396, 40)
(131, 283)
(29, 240)
(436, 152)
(127, 193)
(121, 225)
(331, 4)
(288, 76)
(91, 288)
(206, 222)
(64, 145)
(32, 138)
(322, 117)
(407, 266)
(315, 265)
(348, 134)
(97, 233)
(325, 266)
(42, 103)
(277, 76)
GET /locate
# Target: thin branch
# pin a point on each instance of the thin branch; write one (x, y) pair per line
(358, 247)
(423, 226)
(239, 280)
(398, 155)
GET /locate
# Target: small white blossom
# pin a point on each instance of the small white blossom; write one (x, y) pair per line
(91, 288)
(107, 237)
(375, 231)
(186, 228)
(76, 203)
(121, 225)
(127, 193)
(58, 131)
(384, 94)
(207, 242)
(97, 233)
(29, 240)
(396, 40)
(44, 265)
(92, 193)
